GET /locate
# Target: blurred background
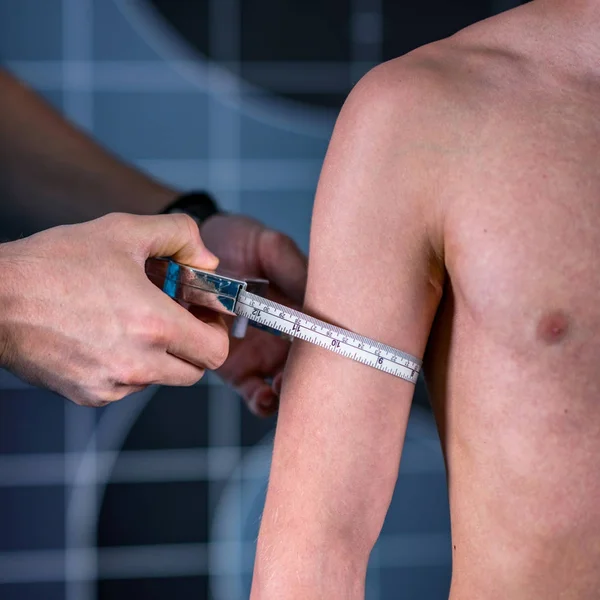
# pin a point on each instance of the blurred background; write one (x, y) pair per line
(160, 495)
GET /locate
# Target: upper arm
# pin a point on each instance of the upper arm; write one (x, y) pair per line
(374, 268)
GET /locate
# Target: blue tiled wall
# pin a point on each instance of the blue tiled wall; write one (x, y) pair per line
(141, 94)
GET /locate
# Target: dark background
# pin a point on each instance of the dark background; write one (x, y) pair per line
(160, 496)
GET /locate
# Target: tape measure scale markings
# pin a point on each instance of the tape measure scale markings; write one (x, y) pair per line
(234, 295)
(346, 343)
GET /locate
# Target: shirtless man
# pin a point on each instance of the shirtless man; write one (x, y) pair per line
(458, 208)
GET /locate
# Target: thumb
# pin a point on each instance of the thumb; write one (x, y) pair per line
(176, 236)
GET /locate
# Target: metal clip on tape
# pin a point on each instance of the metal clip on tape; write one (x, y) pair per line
(218, 291)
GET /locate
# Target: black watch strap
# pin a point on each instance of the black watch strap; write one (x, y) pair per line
(198, 205)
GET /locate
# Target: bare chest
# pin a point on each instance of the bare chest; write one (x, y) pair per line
(523, 240)
(519, 349)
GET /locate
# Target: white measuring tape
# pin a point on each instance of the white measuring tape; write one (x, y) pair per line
(229, 294)
(351, 345)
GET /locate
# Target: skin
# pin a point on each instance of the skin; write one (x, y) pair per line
(77, 312)
(474, 160)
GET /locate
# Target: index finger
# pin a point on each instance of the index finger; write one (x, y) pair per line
(201, 342)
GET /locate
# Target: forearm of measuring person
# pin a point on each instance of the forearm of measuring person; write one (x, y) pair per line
(52, 173)
(341, 425)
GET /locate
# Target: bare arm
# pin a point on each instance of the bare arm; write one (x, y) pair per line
(374, 268)
(51, 173)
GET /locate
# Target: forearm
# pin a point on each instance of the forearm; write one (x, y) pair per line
(51, 173)
(335, 465)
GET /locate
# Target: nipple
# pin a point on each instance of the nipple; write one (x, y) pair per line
(553, 327)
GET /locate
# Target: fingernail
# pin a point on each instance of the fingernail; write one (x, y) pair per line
(277, 384)
(266, 404)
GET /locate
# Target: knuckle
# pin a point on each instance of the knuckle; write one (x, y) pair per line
(118, 225)
(134, 377)
(124, 228)
(275, 242)
(114, 219)
(129, 374)
(147, 327)
(276, 239)
(188, 226)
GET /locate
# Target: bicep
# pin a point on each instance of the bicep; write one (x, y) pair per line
(372, 270)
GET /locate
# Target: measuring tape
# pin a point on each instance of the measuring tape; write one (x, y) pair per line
(351, 345)
(234, 295)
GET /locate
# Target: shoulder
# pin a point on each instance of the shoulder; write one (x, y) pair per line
(397, 92)
(419, 107)
(406, 128)
(435, 84)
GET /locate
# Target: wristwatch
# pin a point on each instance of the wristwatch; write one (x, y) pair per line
(197, 204)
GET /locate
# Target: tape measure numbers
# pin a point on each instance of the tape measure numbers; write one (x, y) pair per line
(351, 345)
(234, 295)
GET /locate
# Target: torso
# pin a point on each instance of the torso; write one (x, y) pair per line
(513, 364)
